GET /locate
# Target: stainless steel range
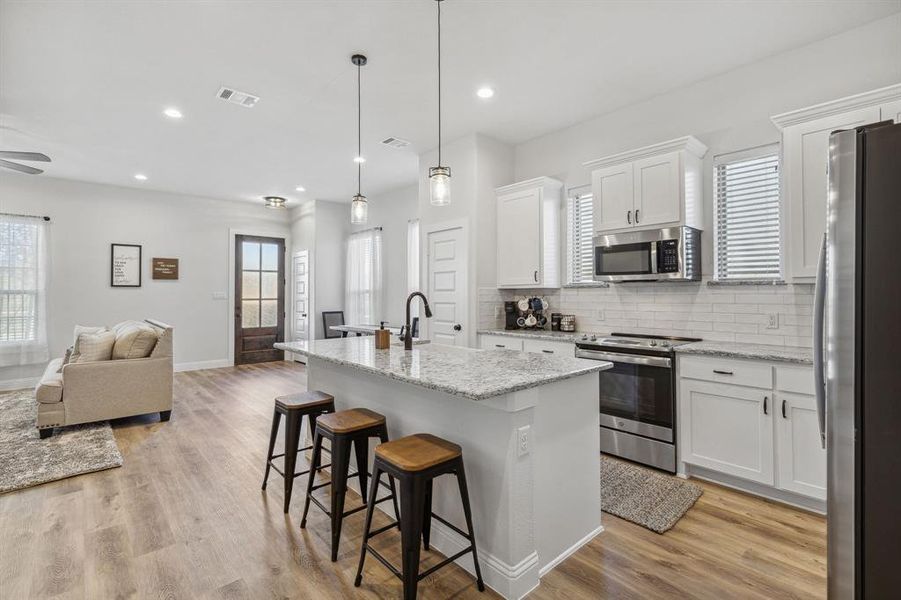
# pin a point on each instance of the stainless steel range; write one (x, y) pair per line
(637, 396)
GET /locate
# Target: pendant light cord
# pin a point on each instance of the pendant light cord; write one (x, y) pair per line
(439, 83)
(359, 133)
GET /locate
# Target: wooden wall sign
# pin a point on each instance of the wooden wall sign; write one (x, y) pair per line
(165, 268)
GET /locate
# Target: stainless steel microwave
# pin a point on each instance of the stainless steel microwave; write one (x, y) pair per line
(672, 254)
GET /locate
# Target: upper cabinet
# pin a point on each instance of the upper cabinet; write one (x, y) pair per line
(528, 234)
(651, 187)
(805, 157)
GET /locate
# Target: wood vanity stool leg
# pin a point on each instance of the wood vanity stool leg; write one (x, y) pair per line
(370, 508)
(467, 511)
(315, 462)
(427, 515)
(276, 417)
(340, 461)
(292, 439)
(412, 501)
(383, 437)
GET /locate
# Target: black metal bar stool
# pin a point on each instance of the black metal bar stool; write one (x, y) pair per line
(416, 460)
(343, 428)
(294, 407)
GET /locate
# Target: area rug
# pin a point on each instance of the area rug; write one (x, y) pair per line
(27, 460)
(649, 498)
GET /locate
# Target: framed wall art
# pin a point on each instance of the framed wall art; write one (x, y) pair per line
(125, 265)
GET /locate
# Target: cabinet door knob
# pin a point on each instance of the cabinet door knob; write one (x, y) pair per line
(629, 217)
(765, 398)
(636, 215)
(535, 275)
(784, 416)
(458, 327)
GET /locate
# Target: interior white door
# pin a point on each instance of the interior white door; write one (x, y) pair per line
(806, 154)
(612, 188)
(801, 457)
(657, 190)
(300, 330)
(447, 270)
(519, 238)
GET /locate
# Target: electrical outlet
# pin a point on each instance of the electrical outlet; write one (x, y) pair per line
(600, 314)
(772, 321)
(524, 440)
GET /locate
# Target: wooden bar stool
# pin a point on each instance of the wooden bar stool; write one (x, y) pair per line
(343, 428)
(294, 407)
(416, 460)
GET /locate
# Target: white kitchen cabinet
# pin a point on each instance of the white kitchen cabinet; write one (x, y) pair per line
(499, 342)
(552, 347)
(528, 234)
(805, 154)
(652, 187)
(728, 429)
(802, 459)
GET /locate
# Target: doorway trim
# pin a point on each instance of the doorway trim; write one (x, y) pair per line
(424, 274)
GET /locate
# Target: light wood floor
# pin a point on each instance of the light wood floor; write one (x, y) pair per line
(185, 518)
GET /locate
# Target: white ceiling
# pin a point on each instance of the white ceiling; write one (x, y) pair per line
(86, 82)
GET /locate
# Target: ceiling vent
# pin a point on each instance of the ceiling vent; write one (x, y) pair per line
(395, 142)
(236, 97)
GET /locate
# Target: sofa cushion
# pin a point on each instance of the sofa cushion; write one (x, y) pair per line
(50, 388)
(90, 347)
(133, 340)
(79, 329)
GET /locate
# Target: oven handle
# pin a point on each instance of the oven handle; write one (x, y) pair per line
(632, 359)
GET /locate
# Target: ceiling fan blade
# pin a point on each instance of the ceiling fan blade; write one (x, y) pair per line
(21, 168)
(37, 156)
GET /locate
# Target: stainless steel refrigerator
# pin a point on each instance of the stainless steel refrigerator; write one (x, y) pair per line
(857, 361)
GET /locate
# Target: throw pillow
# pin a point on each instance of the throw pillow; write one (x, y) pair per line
(133, 340)
(66, 359)
(90, 347)
(79, 329)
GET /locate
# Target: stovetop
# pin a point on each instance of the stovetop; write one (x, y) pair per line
(634, 341)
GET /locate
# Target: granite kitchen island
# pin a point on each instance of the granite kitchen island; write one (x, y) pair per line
(528, 425)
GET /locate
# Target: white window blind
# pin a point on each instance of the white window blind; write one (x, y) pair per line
(748, 240)
(363, 278)
(579, 231)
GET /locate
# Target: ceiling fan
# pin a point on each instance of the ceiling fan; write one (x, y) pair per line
(29, 156)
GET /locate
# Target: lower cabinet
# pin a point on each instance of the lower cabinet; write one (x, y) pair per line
(501, 342)
(537, 345)
(764, 431)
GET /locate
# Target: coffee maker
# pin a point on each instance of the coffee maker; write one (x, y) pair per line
(510, 315)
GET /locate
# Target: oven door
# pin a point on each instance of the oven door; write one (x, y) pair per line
(624, 262)
(636, 395)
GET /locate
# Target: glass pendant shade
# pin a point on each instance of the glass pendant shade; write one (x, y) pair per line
(439, 186)
(359, 210)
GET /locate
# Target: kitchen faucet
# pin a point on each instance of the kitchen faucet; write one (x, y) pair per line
(408, 335)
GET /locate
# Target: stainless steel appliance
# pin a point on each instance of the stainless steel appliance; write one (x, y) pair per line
(637, 397)
(856, 364)
(672, 254)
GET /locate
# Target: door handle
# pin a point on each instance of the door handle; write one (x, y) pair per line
(629, 216)
(535, 276)
(819, 369)
(458, 327)
(636, 215)
(765, 398)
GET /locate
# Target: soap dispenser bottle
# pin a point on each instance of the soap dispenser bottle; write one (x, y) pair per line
(382, 337)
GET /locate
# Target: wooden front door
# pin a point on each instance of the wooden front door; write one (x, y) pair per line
(259, 298)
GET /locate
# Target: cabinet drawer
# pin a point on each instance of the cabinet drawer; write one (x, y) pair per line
(795, 379)
(549, 347)
(488, 342)
(726, 370)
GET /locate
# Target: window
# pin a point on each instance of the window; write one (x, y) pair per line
(747, 223)
(412, 256)
(363, 285)
(23, 258)
(579, 231)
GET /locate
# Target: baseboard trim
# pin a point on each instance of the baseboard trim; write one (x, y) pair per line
(203, 364)
(570, 551)
(756, 489)
(18, 384)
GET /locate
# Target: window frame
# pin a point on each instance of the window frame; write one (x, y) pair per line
(573, 194)
(33, 292)
(747, 154)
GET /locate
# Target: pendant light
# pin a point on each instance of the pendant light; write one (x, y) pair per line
(439, 177)
(359, 209)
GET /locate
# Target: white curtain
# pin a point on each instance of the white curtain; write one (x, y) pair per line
(24, 263)
(363, 285)
(413, 256)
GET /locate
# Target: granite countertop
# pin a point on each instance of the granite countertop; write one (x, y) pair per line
(473, 374)
(536, 334)
(792, 354)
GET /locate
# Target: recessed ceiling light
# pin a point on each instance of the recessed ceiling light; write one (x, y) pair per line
(140, 177)
(274, 201)
(485, 92)
(300, 188)
(359, 159)
(172, 113)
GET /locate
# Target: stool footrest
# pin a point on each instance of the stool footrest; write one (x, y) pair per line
(443, 563)
(385, 562)
(372, 534)
(329, 513)
(452, 526)
(298, 474)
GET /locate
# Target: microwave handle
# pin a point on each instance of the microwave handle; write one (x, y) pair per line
(654, 257)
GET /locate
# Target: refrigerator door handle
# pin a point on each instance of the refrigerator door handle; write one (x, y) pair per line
(819, 313)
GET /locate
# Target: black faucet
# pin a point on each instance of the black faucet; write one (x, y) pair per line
(408, 331)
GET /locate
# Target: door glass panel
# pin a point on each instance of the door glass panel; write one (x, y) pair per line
(251, 257)
(250, 285)
(270, 257)
(250, 314)
(269, 288)
(638, 392)
(269, 313)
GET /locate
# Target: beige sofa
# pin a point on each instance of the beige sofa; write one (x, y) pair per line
(108, 389)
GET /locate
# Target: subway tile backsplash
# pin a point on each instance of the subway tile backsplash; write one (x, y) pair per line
(738, 313)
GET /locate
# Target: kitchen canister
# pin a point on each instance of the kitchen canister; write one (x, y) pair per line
(567, 322)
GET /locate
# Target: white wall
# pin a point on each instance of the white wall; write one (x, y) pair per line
(86, 218)
(332, 227)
